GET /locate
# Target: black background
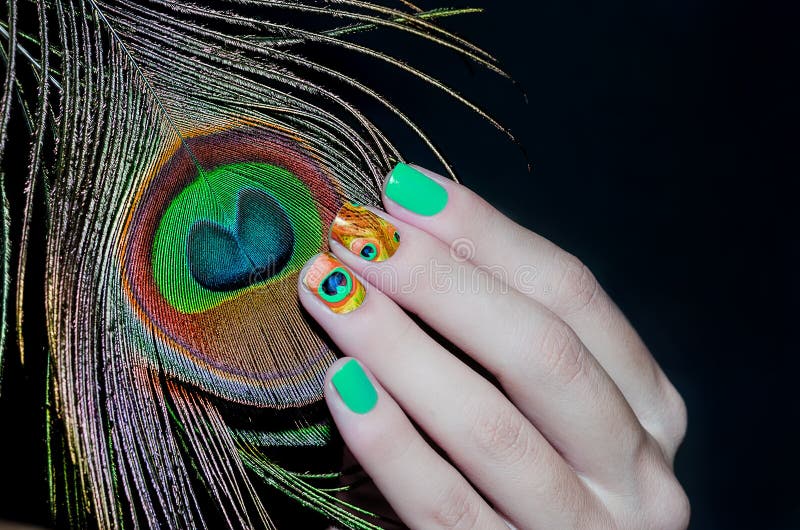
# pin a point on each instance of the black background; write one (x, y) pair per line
(662, 137)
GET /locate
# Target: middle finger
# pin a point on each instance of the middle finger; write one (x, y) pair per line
(489, 440)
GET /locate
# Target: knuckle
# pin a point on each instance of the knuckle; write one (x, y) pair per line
(669, 424)
(577, 287)
(502, 435)
(562, 353)
(669, 509)
(677, 416)
(458, 506)
(658, 501)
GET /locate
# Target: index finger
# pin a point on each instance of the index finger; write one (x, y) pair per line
(553, 277)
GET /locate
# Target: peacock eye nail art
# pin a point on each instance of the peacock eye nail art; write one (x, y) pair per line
(365, 234)
(334, 284)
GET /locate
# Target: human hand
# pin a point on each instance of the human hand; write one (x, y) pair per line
(584, 426)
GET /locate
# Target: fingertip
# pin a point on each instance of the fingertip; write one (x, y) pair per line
(301, 286)
(349, 383)
(325, 278)
(427, 172)
(415, 190)
(332, 369)
(441, 179)
(365, 232)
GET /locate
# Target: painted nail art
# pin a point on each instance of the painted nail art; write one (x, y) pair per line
(415, 191)
(354, 387)
(365, 234)
(334, 284)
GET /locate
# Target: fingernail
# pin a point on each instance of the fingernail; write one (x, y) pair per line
(354, 387)
(334, 284)
(365, 234)
(415, 191)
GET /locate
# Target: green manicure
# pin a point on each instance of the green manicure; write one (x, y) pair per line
(415, 191)
(354, 387)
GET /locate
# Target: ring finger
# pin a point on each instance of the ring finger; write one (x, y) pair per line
(395, 456)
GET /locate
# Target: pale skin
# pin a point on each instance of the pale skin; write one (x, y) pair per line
(581, 427)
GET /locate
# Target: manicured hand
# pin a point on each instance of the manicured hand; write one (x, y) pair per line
(576, 427)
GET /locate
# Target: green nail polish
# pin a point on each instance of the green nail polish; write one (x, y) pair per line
(354, 387)
(415, 191)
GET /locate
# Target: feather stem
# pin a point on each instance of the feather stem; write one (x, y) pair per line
(146, 82)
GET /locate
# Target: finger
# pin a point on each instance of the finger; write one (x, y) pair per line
(540, 269)
(424, 490)
(488, 439)
(537, 358)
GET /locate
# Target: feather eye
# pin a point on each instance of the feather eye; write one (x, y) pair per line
(188, 159)
(211, 260)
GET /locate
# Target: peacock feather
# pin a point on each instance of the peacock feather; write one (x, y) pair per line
(175, 164)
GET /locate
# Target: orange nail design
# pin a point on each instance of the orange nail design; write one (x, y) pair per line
(365, 234)
(334, 284)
